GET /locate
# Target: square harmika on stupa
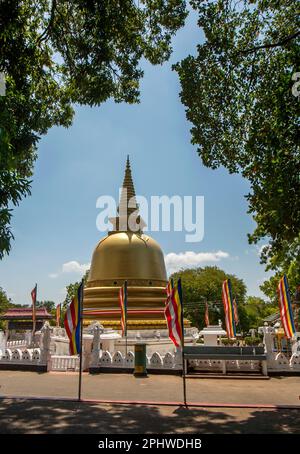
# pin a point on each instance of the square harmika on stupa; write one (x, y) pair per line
(126, 253)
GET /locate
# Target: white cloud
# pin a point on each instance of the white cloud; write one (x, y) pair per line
(189, 259)
(63, 292)
(53, 275)
(260, 249)
(75, 267)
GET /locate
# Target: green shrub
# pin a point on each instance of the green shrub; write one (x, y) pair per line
(226, 341)
(252, 340)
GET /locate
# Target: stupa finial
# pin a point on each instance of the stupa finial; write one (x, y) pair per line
(128, 218)
(127, 203)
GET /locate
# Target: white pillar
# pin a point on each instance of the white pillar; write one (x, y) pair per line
(97, 329)
(210, 340)
(87, 340)
(223, 366)
(45, 345)
(296, 343)
(2, 342)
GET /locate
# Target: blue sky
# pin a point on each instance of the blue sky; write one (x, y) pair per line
(57, 224)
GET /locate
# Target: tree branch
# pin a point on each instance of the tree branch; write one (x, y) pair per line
(45, 33)
(271, 45)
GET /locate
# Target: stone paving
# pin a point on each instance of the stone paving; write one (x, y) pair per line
(25, 415)
(275, 391)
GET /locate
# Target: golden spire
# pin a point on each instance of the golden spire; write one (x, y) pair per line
(127, 196)
(128, 218)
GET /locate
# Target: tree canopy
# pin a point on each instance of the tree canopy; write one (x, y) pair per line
(71, 290)
(204, 285)
(238, 91)
(5, 303)
(256, 310)
(57, 53)
(49, 305)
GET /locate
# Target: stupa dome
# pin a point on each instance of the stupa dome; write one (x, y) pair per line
(127, 256)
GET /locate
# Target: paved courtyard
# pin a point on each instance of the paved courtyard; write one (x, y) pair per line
(55, 416)
(273, 391)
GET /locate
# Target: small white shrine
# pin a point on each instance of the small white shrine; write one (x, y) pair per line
(212, 335)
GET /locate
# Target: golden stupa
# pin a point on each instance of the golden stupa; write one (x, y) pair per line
(126, 253)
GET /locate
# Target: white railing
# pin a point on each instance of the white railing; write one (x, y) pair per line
(155, 361)
(280, 363)
(16, 343)
(18, 356)
(64, 363)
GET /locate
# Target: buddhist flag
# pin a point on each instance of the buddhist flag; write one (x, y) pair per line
(33, 297)
(173, 313)
(285, 306)
(235, 312)
(206, 316)
(58, 314)
(228, 308)
(73, 321)
(123, 307)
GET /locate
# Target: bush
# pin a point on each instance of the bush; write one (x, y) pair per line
(252, 341)
(226, 341)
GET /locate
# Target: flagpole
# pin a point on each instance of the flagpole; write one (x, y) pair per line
(34, 311)
(125, 295)
(80, 302)
(182, 344)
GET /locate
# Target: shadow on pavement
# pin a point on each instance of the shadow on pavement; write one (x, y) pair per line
(35, 416)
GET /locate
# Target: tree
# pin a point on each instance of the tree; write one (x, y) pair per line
(239, 93)
(287, 262)
(71, 291)
(256, 310)
(5, 303)
(56, 53)
(205, 284)
(49, 305)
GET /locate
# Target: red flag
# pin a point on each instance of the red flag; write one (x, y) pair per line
(58, 314)
(206, 317)
(33, 297)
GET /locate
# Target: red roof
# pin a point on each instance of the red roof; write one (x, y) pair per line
(25, 313)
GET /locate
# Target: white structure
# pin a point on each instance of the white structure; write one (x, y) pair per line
(160, 353)
(278, 361)
(212, 334)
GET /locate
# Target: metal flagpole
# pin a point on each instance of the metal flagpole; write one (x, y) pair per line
(34, 311)
(125, 310)
(182, 343)
(80, 302)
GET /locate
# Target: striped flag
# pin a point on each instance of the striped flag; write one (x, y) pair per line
(33, 298)
(123, 307)
(173, 313)
(58, 314)
(228, 308)
(73, 321)
(235, 312)
(206, 316)
(285, 306)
